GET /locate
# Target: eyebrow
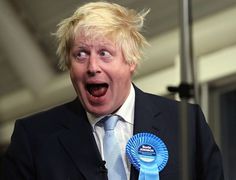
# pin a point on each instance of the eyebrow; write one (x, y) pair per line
(84, 45)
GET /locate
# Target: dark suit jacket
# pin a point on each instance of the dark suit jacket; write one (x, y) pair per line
(58, 144)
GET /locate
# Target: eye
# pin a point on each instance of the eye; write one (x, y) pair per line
(105, 53)
(81, 55)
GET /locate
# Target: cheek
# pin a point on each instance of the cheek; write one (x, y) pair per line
(76, 72)
(122, 80)
(72, 75)
(75, 77)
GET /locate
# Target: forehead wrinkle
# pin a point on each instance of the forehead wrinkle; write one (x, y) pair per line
(84, 42)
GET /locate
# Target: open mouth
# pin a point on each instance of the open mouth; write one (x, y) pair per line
(97, 90)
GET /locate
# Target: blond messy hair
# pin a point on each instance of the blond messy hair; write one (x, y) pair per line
(111, 20)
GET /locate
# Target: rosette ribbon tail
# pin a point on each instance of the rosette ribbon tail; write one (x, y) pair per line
(148, 174)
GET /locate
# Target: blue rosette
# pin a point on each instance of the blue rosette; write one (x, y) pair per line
(148, 154)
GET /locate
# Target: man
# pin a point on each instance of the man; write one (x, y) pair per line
(100, 45)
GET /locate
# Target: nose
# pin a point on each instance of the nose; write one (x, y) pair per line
(93, 66)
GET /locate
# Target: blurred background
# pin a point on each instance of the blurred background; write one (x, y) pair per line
(30, 80)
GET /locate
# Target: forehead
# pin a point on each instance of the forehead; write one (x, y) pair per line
(93, 39)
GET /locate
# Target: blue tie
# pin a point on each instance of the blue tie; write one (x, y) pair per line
(112, 154)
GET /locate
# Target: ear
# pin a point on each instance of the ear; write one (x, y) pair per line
(132, 67)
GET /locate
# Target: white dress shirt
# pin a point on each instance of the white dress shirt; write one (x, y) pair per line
(123, 129)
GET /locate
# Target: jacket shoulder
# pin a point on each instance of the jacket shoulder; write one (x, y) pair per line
(50, 120)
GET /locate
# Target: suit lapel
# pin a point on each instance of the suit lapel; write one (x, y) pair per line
(147, 118)
(147, 115)
(78, 141)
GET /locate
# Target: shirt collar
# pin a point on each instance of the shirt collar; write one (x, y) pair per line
(126, 111)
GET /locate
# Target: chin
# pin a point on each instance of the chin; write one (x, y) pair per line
(100, 111)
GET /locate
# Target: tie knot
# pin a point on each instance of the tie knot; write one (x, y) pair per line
(110, 122)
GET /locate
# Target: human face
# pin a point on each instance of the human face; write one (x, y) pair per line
(99, 73)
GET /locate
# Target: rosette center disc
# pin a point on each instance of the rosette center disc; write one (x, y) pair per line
(146, 153)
